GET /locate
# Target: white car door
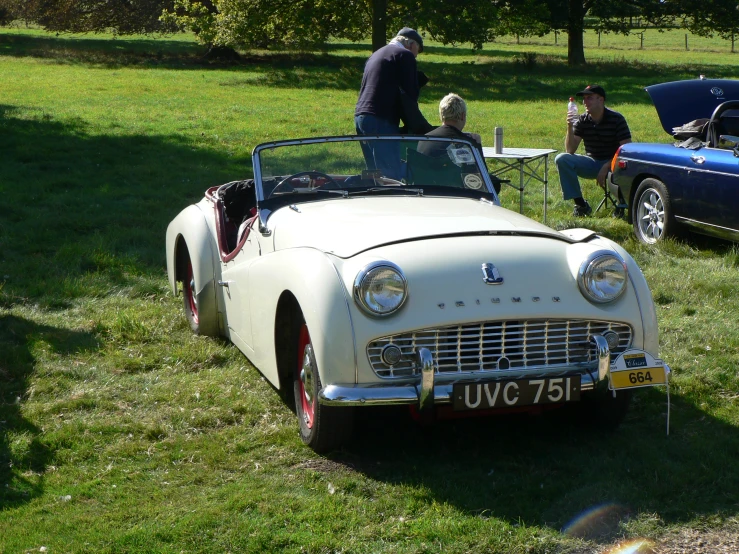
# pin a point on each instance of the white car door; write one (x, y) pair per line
(235, 294)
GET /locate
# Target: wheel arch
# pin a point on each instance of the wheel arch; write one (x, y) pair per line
(288, 310)
(189, 235)
(286, 284)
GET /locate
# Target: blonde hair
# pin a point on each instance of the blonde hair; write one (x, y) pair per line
(452, 106)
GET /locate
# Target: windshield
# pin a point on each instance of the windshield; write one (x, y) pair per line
(310, 169)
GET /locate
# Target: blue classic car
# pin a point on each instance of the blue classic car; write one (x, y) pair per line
(692, 184)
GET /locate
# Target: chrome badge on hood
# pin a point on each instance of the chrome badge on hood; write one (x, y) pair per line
(490, 274)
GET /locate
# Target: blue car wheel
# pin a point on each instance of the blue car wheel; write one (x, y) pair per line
(653, 218)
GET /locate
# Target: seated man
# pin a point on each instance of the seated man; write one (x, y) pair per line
(453, 114)
(603, 131)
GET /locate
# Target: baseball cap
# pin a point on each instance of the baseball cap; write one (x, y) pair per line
(593, 89)
(413, 35)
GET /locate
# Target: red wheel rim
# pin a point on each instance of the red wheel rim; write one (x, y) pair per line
(307, 405)
(189, 285)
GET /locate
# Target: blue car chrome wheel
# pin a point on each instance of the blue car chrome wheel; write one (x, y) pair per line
(653, 219)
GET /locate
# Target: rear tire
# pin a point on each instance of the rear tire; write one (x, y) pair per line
(189, 296)
(322, 428)
(653, 217)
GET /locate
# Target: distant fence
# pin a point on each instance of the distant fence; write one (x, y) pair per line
(651, 38)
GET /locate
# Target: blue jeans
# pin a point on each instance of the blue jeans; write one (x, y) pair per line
(380, 154)
(572, 166)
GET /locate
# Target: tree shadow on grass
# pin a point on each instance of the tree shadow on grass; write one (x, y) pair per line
(86, 215)
(106, 52)
(551, 469)
(24, 456)
(496, 75)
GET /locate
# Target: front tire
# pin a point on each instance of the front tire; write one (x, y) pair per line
(653, 217)
(322, 428)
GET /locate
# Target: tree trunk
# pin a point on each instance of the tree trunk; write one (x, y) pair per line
(379, 24)
(575, 29)
(221, 53)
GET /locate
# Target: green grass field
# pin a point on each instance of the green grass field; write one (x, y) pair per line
(122, 432)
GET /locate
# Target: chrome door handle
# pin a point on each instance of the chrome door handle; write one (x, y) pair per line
(698, 159)
(224, 283)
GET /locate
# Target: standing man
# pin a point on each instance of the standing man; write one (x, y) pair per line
(603, 131)
(389, 71)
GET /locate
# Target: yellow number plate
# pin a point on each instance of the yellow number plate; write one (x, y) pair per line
(643, 377)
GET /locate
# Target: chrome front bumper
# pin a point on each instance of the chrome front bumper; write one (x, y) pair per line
(425, 393)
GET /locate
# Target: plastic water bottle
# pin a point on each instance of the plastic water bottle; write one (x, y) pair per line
(571, 110)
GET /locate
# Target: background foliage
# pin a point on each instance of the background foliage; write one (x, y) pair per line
(229, 24)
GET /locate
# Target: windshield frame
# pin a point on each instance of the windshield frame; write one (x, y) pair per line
(266, 206)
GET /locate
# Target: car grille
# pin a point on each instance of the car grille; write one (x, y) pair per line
(498, 346)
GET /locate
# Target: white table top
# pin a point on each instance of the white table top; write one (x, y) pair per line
(517, 153)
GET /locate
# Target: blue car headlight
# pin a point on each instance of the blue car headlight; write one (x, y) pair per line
(380, 288)
(602, 277)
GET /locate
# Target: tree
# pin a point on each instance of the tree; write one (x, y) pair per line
(265, 23)
(611, 17)
(120, 16)
(6, 13)
(306, 23)
(719, 17)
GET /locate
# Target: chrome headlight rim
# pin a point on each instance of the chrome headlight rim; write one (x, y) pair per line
(585, 273)
(362, 275)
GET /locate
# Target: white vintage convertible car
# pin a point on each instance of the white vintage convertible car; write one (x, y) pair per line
(347, 287)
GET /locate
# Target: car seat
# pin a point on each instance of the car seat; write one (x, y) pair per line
(724, 121)
(430, 170)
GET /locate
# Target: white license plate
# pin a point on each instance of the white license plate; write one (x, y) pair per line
(514, 393)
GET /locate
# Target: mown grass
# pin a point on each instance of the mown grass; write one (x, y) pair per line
(121, 432)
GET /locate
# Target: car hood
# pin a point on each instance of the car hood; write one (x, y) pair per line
(345, 227)
(681, 102)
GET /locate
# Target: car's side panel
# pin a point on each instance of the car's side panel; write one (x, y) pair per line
(236, 292)
(311, 278)
(713, 187)
(191, 228)
(703, 183)
(661, 161)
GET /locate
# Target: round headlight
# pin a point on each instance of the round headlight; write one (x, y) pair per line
(602, 277)
(380, 288)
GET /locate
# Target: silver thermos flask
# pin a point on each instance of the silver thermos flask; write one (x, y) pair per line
(498, 140)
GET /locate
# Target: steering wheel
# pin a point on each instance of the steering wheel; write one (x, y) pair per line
(329, 180)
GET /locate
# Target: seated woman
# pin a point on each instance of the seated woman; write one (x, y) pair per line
(453, 114)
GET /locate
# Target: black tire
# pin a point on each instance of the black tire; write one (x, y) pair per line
(322, 428)
(652, 217)
(189, 297)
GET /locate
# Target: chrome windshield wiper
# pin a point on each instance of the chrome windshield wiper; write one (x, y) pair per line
(298, 191)
(401, 190)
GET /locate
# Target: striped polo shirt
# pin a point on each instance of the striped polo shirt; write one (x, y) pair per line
(602, 139)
